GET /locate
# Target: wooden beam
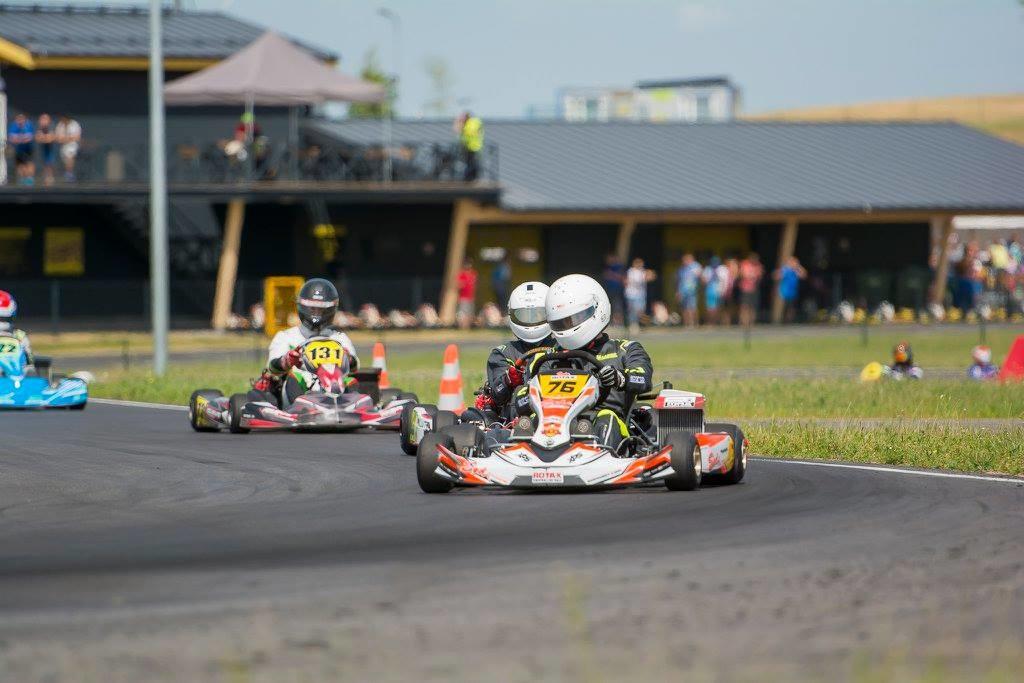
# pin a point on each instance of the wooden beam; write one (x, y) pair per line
(12, 53)
(787, 245)
(458, 234)
(943, 226)
(493, 214)
(625, 238)
(227, 271)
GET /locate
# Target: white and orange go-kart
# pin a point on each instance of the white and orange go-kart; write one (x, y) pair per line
(555, 447)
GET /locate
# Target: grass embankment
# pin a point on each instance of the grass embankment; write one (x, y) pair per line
(798, 404)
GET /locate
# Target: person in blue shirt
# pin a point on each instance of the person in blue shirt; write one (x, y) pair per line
(789, 277)
(687, 284)
(21, 135)
(982, 368)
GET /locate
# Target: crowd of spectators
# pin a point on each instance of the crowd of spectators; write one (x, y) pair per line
(35, 146)
(986, 279)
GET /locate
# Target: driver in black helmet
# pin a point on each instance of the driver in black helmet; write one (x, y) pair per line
(284, 380)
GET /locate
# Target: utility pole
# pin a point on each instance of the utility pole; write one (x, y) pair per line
(158, 275)
(392, 17)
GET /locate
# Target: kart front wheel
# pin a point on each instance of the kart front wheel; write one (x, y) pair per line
(685, 461)
(407, 425)
(236, 405)
(739, 461)
(426, 463)
(193, 415)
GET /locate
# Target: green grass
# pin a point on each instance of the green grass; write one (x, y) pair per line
(933, 446)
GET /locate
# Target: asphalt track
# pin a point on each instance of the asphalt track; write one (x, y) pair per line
(131, 547)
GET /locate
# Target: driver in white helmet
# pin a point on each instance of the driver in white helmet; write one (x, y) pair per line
(317, 303)
(506, 366)
(578, 312)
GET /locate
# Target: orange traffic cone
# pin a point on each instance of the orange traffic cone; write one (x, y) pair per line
(450, 393)
(379, 361)
(1013, 366)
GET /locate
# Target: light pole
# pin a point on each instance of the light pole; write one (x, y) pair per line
(158, 276)
(396, 25)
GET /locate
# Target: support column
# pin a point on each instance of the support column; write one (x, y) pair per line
(624, 239)
(227, 271)
(457, 237)
(943, 226)
(787, 245)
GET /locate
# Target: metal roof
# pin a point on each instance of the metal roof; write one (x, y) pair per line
(92, 31)
(736, 167)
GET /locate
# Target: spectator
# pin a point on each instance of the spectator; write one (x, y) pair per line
(69, 135)
(501, 276)
(21, 135)
(470, 130)
(687, 284)
(46, 138)
(614, 278)
(714, 278)
(749, 283)
(789, 277)
(466, 283)
(637, 278)
(730, 294)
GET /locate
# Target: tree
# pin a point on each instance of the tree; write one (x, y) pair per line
(374, 73)
(440, 103)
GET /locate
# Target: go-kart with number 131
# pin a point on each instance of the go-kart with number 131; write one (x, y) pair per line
(555, 447)
(337, 400)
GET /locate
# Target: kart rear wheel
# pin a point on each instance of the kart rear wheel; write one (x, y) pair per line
(209, 395)
(426, 464)
(235, 407)
(78, 406)
(388, 395)
(466, 437)
(739, 462)
(444, 418)
(685, 462)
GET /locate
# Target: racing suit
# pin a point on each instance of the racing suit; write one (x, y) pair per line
(501, 359)
(22, 337)
(631, 359)
(295, 381)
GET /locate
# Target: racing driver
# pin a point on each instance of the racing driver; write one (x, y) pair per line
(578, 312)
(317, 303)
(8, 309)
(506, 371)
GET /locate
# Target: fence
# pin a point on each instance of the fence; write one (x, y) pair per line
(210, 162)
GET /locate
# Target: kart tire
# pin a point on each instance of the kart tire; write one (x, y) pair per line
(405, 425)
(79, 406)
(388, 395)
(444, 418)
(685, 461)
(208, 394)
(235, 406)
(426, 463)
(408, 396)
(739, 463)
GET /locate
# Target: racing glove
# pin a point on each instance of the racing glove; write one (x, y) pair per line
(610, 378)
(292, 359)
(514, 375)
(484, 402)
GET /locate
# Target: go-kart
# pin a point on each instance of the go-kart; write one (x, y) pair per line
(556, 448)
(336, 400)
(24, 385)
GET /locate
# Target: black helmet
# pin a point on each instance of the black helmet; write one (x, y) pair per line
(317, 302)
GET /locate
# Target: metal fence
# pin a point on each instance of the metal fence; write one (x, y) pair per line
(202, 162)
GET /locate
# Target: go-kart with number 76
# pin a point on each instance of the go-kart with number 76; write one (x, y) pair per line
(556, 447)
(336, 400)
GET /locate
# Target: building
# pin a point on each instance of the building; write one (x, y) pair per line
(695, 100)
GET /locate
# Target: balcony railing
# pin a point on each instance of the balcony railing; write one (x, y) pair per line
(220, 163)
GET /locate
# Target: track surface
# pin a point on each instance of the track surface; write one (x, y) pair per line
(123, 535)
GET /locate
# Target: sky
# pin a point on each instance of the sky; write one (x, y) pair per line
(505, 55)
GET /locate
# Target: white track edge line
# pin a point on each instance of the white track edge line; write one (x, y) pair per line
(136, 404)
(896, 470)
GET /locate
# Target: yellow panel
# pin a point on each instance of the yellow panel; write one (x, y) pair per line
(512, 239)
(15, 54)
(120, 63)
(719, 240)
(63, 252)
(562, 385)
(279, 294)
(13, 250)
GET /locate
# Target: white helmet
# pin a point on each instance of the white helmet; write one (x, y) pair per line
(981, 355)
(578, 310)
(526, 315)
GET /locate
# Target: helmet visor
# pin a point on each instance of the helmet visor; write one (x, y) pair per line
(316, 313)
(574, 320)
(528, 317)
